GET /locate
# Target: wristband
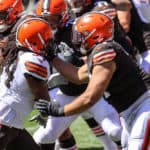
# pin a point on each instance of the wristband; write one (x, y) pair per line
(61, 111)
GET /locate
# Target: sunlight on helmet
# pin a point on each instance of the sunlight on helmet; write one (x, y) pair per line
(34, 34)
(55, 11)
(93, 28)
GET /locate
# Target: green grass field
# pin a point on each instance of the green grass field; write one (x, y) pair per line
(85, 139)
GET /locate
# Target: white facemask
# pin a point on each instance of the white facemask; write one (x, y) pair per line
(4, 27)
(77, 10)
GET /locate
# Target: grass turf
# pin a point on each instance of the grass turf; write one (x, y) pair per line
(85, 139)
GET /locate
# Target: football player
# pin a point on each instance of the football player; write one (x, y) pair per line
(107, 60)
(24, 74)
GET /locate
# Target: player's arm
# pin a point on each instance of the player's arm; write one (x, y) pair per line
(124, 19)
(98, 83)
(101, 76)
(38, 87)
(72, 73)
(36, 71)
(103, 68)
(40, 91)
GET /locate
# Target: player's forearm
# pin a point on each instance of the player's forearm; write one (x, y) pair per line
(79, 105)
(70, 72)
(39, 88)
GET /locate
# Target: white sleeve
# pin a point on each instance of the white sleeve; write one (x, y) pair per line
(35, 65)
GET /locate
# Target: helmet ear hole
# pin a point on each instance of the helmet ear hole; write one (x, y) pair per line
(96, 37)
(16, 13)
(34, 43)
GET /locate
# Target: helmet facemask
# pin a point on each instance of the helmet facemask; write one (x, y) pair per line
(80, 43)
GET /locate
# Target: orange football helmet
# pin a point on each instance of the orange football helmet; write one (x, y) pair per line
(55, 11)
(34, 34)
(10, 10)
(51, 7)
(90, 29)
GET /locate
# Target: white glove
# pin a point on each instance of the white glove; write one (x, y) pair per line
(39, 119)
(63, 47)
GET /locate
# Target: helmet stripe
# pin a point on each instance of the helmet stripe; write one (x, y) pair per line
(41, 39)
(46, 6)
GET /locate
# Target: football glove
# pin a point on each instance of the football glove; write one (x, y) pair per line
(49, 108)
(39, 119)
(64, 47)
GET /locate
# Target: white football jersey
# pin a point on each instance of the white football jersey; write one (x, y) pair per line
(17, 101)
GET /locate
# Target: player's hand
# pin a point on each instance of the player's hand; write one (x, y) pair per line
(49, 108)
(39, 119)
(51, 50)
(64, 47)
